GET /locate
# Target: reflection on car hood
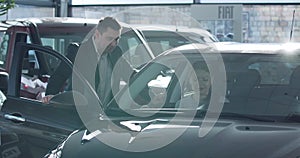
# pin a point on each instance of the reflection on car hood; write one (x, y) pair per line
(226, 139)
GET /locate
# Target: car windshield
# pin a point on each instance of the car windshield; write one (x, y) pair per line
(256, 84)
(162, 40)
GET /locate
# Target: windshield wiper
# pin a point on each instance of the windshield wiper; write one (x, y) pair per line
(202, 113)
(292, 117)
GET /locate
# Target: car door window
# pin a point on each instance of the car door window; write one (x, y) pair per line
(34, 78)
(3, 49)
(60, 42)
(273, 72)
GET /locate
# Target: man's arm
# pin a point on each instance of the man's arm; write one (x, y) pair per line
(62, 72)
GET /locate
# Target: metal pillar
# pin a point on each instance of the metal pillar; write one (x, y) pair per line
(61, 8)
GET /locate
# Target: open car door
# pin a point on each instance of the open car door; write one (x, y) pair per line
(41, 125)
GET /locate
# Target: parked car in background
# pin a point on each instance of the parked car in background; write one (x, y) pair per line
(32, 50)
(164, 37)
(57, 34)
(225, 38)
(244, 104)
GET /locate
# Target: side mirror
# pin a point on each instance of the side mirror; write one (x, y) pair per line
(67, 99)
(3, 82)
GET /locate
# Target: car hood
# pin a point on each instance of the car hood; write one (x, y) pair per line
(226, 139)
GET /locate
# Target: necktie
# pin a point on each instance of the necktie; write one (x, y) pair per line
(97, 78)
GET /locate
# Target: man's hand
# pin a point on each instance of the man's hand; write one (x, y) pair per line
(46, 99)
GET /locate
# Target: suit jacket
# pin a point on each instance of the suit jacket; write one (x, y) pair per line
(85, 60)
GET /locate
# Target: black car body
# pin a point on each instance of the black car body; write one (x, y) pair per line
(251, 110)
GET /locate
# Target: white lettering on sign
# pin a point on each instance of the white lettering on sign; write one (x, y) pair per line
(225, 12)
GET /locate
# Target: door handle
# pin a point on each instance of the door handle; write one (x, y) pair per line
(13, 118)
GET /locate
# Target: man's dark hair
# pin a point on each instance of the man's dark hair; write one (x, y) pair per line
(108, 22)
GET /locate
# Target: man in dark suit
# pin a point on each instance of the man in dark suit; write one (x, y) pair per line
(96, 59)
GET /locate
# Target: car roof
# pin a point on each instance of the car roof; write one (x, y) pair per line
(56, 22)
(171, 28)
(270, 48)
(235, 47)
(59, 20)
